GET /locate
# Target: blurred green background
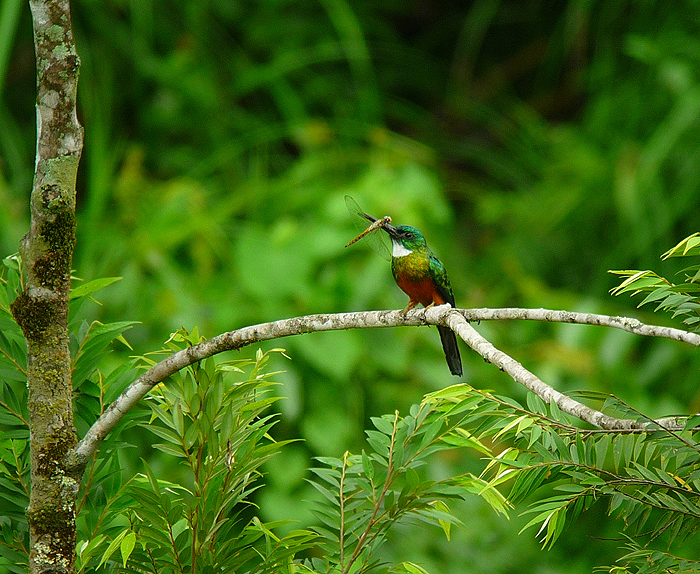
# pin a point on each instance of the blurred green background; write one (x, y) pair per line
(537, 144)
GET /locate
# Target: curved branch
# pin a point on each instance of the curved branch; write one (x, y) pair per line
(230, 341)
(625, 323)
(456, 319)
(520, 374)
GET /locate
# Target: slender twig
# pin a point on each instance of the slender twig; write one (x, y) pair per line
(341, 499)
(614, 480)
(672, 429)
(377, 506)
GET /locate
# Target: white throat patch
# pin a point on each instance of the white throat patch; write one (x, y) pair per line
(399, 250)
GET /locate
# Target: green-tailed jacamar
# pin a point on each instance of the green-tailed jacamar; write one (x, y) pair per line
(422, 276)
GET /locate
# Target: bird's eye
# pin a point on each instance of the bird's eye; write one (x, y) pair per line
(408, 235)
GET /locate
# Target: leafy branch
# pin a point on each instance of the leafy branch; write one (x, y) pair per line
(366, 494)
(643, 476)
(682, 299)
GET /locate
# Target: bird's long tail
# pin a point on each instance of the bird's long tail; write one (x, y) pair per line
(449, 345)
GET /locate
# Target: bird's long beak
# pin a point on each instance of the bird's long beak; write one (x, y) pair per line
(391, 230)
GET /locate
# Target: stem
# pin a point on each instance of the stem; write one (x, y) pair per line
(387, 484)
(520, 374)
(341, 533)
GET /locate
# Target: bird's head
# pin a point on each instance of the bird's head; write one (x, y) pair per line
(405, 239)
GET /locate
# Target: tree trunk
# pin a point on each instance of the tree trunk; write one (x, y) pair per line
(41, 310)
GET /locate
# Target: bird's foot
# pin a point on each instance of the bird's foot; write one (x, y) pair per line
(411, 305)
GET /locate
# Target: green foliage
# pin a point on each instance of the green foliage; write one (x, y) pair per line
(14, 425)
(93, 391)
(683, 299)
(222, 139)
(214, 421)
(366, 495)
(207, 417)
(211, 417)
(650, 479)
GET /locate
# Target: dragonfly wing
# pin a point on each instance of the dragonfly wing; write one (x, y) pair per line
(377, 240)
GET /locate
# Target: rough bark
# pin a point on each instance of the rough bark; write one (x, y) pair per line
(41, 310)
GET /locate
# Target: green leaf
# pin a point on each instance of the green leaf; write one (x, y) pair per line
(673, 301)
(325, 492)
(656, 295)
(601, 449)
(170, 449)
(92, 287)
(638, 281)
(462, 438)
(688, 246)
(430, 432)
(454, 393)
(127, 546)
(112, 547)
(367, 466)
(535, 404)
(574, 488)
(384, 424)
(408, 568)
(446, 525)
(692, 422)
(167, 434)
(554, 408)
(86, 549)
(97, 339)
(379, 442)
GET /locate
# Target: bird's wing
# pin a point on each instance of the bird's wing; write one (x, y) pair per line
(437, 270)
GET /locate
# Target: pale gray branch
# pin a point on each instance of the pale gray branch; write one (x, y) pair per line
(625, 323)
(457, 319)
(520, 374)
(229, 341)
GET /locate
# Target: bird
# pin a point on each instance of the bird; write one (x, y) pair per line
(422, 276)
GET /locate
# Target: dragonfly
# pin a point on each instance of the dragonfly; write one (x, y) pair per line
(371, 234)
